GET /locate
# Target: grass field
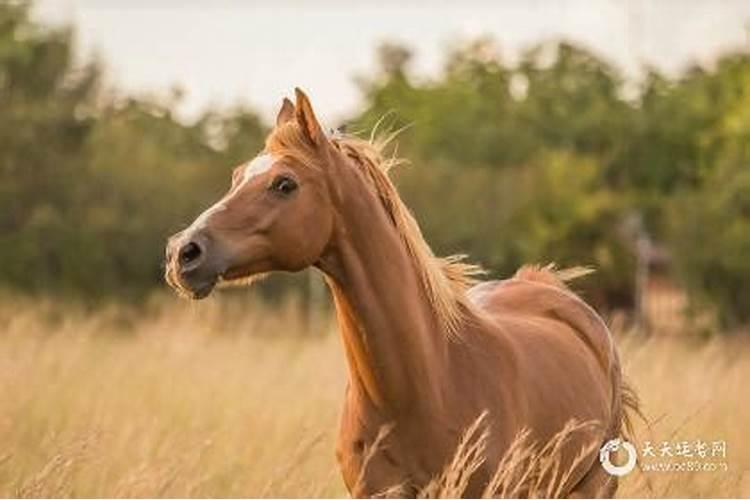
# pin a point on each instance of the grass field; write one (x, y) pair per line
(228, 399)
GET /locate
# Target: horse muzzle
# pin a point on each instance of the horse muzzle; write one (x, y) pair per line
(194, 264)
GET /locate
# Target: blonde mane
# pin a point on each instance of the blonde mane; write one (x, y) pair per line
(445, 279)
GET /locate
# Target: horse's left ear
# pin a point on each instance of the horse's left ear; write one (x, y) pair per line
(286, 112)
(307, 121)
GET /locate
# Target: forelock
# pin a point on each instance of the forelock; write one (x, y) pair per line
(288, 139)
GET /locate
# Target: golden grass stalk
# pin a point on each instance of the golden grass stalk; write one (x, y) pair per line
(238, 399)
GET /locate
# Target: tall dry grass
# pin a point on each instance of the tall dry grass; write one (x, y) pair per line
(225, 398)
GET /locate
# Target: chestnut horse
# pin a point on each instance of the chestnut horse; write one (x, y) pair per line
(428, 350)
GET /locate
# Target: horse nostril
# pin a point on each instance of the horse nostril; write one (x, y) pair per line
(189, 253)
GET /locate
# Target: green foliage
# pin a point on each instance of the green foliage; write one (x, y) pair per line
(711, 227)
(91, 186)
(519, 158)
(547, 160)
(710, 224)
(543, 160)
(553, 210)
(42, 135)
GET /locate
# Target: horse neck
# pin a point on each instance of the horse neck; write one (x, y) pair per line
(394, 344)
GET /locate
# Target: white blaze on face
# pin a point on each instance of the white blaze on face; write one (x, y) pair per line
(257, 166)
(202, 219)
(253, 168)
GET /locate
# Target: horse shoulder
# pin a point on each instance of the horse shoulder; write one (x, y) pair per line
(531, 299)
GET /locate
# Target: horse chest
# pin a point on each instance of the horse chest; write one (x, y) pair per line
(379, 457)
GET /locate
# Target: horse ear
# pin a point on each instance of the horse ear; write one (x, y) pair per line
(307, 121)
(286, 112)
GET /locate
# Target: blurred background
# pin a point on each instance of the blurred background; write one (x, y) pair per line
(609, 134)
(612, 134)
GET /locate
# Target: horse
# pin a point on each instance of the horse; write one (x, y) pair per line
(429, 348)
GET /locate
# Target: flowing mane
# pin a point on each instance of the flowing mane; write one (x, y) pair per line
(445, 279)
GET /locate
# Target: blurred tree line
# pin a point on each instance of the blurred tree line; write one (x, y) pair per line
(543, 160)
(91, 183)
(554, 157)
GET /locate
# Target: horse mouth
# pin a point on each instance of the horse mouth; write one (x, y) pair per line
(191, 289)
(199, 287)
(203, 291)
(239, 277)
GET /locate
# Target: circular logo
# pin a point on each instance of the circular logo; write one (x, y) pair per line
(614, 445)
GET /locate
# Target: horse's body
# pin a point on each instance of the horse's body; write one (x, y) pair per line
(532, 354)
(427, 355)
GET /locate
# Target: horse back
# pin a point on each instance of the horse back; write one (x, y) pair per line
(540, 295)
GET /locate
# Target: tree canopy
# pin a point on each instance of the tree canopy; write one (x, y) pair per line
(542, 160)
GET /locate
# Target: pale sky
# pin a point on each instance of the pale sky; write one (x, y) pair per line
(228, 51)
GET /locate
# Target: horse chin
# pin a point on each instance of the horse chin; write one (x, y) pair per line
(191, 291)
(238, 278)
(203, 291)
(196, 292)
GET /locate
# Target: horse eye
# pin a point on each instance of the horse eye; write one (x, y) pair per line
(283, 185)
